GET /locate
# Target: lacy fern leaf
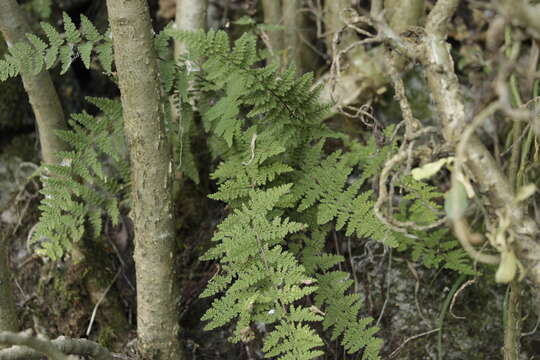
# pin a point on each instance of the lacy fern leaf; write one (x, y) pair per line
(271, 123)
(89, 183)
(37, 54)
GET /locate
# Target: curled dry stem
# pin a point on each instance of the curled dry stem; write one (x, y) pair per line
(390, 221)
(501, 88)
(460, 224)
(411, 124)
(407, 153)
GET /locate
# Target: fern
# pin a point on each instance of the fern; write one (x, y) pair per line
(422, 204)
(263, 281)
(38, 54)
(284, 190)
(326, 185)
(265, 123)
(94, 176)
(88, 184)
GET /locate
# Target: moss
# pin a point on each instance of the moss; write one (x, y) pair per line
(64, 305)
(107, 337)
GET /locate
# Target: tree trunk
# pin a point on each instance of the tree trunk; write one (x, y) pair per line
(273, 16)
(296, 38)
(40, 89)
(190, 15)
(152, 208)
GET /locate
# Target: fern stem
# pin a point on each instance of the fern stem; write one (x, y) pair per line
(442, 315)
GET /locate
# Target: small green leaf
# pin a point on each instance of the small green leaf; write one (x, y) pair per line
(85, 49)
(51, 56)
(55, 39)
(39, 44)
(88, 30)
(105, 56)
(66, 57)
(72, 34)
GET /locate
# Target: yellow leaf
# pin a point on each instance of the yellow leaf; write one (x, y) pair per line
(428, 170)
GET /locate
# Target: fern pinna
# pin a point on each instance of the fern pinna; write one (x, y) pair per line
(272, 125)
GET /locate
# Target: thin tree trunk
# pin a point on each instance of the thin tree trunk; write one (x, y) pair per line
(273, 16)
(157, 290)
(296, 48)
(8, 310)
(41, 92)
(190, 15)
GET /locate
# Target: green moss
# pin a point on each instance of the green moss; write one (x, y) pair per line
(106, 337)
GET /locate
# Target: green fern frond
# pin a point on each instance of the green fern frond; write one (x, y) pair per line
(36, 54)
(292, 341)
(271, 124)
(262, 279)
(83, 188)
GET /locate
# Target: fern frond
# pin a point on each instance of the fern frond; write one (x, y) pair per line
(83, 188)
(36, 54)
(270, 122)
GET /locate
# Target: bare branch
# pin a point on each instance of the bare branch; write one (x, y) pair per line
(439, 17)
(28, 347)
(444, 87)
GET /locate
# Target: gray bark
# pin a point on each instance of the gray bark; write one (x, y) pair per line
(273, 16)
(296, 49)
(190, 15)
(152, 208)
(404, 13)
